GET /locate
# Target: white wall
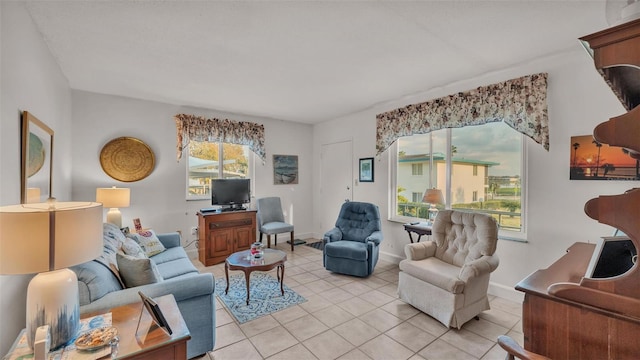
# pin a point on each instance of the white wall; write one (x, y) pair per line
(578, 100)
(30, 80)
(159, 200)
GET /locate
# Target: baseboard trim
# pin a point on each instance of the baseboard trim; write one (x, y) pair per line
(505, 292)
(393, 258)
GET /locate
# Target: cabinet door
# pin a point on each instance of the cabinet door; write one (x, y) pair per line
(245, 236)
(220, 243)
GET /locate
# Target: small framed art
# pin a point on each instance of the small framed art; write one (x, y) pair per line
(366, 170)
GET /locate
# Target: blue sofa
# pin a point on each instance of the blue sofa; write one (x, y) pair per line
(100, 290)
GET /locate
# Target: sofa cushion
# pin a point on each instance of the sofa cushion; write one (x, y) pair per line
(435, 272)
(136, 272)
(149, 242)
(346, 249)
(132, 248)
(171, 254)
(112, 240)
(95, 280)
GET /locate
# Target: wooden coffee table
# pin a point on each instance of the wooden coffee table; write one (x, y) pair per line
(242, 261)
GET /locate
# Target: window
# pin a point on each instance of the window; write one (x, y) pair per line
(416, 169)
(214, 160)
(478, 168)
(416, 197)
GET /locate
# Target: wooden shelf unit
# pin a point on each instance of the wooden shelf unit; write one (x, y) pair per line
(222, 234)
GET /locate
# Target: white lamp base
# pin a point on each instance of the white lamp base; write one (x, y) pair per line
(114, 216)
(52, 299)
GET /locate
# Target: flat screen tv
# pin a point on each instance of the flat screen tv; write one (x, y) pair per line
(612, 256)
(231, 194)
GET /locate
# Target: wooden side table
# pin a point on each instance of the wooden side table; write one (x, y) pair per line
(241, 261)
(422, 228)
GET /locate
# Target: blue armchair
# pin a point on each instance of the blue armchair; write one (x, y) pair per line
(352, 246)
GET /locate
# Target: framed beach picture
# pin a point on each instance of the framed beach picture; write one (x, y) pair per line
(285, 169)
(591, 160)
(366, 170)
(37, 160)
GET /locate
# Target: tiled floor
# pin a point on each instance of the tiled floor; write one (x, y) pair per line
(352, 318)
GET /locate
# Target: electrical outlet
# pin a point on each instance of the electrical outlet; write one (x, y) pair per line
(194, 231)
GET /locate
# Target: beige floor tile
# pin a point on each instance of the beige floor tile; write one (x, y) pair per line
(294, 270)
(355, 354)
(390, 276)
(302, 290)
(305, 278)
(428, 324)
(314, 303)
(374, 282)
(390, 289)
(505, 305)
(356, 331)
(223, 317)
(328, 345)
(241, 350)
(440, 349)
(380, 320)
(320, 286)
(384, 348)
(297, 352)
(336, 295)
(400, 309)
(305, 327)
(486, 329)
(410, 336)
(356, 288)
(259, 325)
(496, 353)
(500, 317)
(377, 298)
(333, 316)
(356, 306)
(468, 341)
(416, 357)
(289, 314)
(273, 341)
(322, 274)
(228, 334)
(339, 279)
(312, 266)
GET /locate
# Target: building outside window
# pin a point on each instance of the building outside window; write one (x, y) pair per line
(478, 168)
(214, 160)
(416, 169)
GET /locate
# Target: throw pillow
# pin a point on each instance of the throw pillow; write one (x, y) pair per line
(112, 240)
(137, 272)
(131, 247)
(149, 242)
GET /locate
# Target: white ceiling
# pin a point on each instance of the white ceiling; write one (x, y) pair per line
(303, 61)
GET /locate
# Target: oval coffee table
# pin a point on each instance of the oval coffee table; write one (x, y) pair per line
(242, 261)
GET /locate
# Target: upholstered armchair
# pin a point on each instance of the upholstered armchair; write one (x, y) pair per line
(352, 246)
(448, 277)
(271, 220)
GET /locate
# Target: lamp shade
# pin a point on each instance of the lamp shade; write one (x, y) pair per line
(113, 197)
(49, 236)
(33, 195)
(433, 196)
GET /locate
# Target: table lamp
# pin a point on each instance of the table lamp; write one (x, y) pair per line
(46, 238)
(113, 198)
(433, 197)
(33, 195)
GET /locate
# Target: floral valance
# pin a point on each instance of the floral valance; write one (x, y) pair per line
(521, 103)
(198, 128)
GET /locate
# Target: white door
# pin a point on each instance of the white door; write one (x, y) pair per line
(336, 181)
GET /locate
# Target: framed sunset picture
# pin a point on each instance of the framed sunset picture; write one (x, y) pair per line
(591, 160)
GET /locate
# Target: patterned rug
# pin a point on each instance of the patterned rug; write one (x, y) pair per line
(265, 299)
(317, 245)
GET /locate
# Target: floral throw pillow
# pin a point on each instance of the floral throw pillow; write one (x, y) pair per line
(132, 248)
(112, 240)
(149, 242)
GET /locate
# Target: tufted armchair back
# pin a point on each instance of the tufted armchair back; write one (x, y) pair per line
(462, 237)
(358, 220)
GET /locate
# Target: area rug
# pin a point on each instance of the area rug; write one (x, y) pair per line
(265, 299)
(317, 245)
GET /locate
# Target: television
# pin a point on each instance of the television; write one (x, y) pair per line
(231, 194)
(612, 256)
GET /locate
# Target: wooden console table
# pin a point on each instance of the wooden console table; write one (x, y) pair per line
(564, 329)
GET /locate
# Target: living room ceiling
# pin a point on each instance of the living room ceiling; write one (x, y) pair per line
(303, 61)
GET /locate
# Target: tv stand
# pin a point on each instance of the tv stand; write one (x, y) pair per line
(222, 233)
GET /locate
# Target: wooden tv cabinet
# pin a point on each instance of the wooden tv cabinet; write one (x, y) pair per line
(222, 234)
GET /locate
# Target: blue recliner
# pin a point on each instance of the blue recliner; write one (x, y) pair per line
(352, 246)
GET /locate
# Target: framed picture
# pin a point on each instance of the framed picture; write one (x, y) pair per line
(285, 169)
(591, 160)
(156, 314)
(366, 170)
(36, 169)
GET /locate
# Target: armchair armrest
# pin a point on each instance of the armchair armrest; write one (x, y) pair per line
(375, 237)
(483, 265)
(169, 240)
(334, 234)
(419, 251)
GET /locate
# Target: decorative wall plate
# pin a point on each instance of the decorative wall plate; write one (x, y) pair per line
(127, 159)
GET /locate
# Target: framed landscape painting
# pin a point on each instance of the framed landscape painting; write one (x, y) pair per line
(591, 160)
(285, 169)
(366, 170)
